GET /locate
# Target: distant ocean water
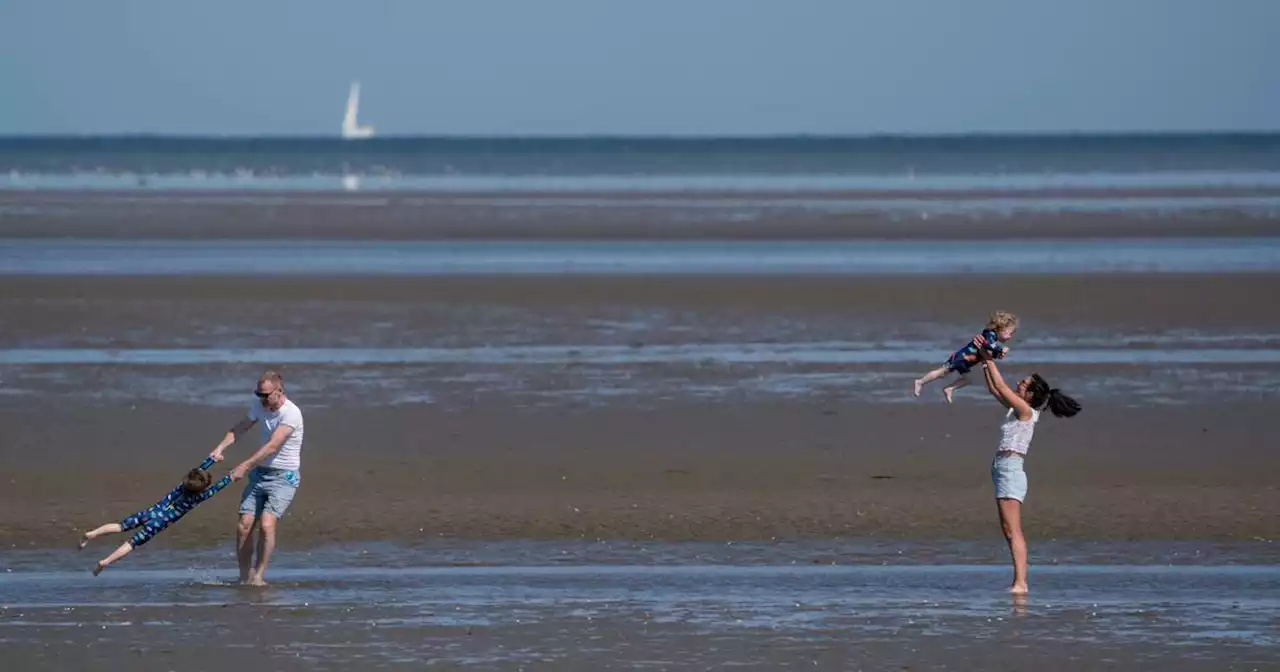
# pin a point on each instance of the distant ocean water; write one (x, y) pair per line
(619, 163)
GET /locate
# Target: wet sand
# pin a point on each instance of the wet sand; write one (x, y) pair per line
(742, 472)
(664, 466)
(301, 311)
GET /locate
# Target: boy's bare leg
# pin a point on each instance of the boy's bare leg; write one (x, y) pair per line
(929, 378)
(115, 555)
(959, 383)
(109, 528)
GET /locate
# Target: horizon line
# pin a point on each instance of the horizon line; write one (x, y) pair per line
(1041, 134)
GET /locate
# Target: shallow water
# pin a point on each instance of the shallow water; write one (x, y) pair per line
(248, 180)
(728, 353)
(222, 257)
(668, 605)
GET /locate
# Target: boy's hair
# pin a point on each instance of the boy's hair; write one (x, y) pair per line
(198, 480)
(1001, 319)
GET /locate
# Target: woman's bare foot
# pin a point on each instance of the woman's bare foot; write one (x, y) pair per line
(84, 540)
(98, 568)
(253, 580)
(1018, 589)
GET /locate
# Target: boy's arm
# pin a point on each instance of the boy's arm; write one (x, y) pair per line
(213, 489)
(993, 344)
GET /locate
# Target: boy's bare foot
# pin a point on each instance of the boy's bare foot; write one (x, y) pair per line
(919, 386)
(946, 392)
(1018, 589)
(98, 568)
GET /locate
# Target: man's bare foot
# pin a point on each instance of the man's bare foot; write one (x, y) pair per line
(919, 386)
(946, 392)
(98, 568)
(1018, 589)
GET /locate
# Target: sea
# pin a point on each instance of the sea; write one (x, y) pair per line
(962, 162)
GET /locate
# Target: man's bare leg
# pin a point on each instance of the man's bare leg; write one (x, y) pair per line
(266, 545)
(244, 545)
(115, 555)
(109, 528)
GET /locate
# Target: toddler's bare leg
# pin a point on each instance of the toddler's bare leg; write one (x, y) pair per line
(929, 378)
(959, 383)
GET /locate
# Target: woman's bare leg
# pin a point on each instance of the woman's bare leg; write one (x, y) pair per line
(1011, 525)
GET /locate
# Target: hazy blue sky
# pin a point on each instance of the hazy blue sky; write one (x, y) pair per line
(641, 67)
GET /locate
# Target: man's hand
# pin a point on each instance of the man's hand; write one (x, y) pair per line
(216, 455)
(239, 472)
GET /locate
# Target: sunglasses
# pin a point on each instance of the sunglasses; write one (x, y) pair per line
(263, 395)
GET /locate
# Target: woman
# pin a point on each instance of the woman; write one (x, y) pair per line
(1024, 403)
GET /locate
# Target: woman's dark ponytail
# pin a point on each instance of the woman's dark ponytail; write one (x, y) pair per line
(1061, 405)
(1042, 395)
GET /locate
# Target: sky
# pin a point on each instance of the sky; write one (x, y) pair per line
(645, 67)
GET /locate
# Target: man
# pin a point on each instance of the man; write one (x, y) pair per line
(273, 473)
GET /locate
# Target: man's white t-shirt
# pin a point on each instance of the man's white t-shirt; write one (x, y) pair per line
(290, 454)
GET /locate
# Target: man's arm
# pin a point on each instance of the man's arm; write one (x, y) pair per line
(232, 434)
(278, 437)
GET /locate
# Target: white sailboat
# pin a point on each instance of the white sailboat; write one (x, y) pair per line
(351, 130)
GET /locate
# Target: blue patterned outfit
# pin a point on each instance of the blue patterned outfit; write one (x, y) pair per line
(175, 505)
(959, 362)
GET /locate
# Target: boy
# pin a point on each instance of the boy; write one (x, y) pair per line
(193, 490)
(1000, 328)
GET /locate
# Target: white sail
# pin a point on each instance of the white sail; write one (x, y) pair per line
(350, 127)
